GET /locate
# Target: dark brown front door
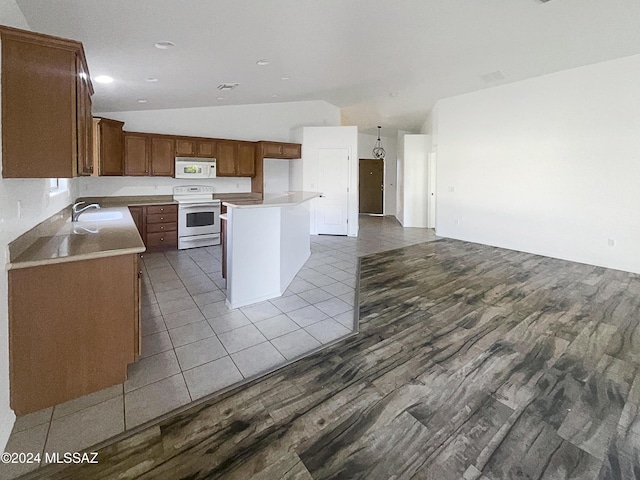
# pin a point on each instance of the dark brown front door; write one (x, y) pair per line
(371, 185)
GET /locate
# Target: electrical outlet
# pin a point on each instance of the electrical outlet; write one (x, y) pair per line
(452, 189)
(457, 221)
(611, 242)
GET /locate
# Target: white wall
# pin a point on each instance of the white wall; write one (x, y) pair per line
(270, 121)
(550, 165)
(23, 204)
(314, 138)
(400, 176)
(124, 186)
(276, 176)
(414, 186)
(365, 149)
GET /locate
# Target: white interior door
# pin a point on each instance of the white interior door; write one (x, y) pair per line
(333, 183)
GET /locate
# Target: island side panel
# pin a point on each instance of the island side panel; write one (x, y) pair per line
(253, 255)
(71, 329)
(295, 243)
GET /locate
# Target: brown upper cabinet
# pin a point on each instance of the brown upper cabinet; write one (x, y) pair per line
(163, 156)
(193, 147)
(246, 165)
(108, 147)
(136, 154)
(147, 154)
(185, 147)
(281, 150)
(46, 106)
(235, 159)
(84, 120)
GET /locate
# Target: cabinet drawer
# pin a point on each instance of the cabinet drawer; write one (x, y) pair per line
(169, 239)
(161, 227)
(152, 210)
(162, 218)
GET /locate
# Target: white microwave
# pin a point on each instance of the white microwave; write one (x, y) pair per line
(187, 167)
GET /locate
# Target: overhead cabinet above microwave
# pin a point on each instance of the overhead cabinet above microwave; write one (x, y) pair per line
(192, 147)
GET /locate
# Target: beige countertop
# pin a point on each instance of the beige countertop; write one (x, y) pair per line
(58, 240)
(244, 196)
(130, 201)
(288, 199)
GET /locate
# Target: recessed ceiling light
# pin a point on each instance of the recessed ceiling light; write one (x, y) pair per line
(142, 100)
(151, 80)
(262, 62)
(275, 95)
(164, 45)
(103, 79)
(393, 94)
(220, 98)
(286, 77)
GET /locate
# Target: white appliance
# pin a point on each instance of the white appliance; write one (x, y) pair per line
(187, 167)
(198, 216)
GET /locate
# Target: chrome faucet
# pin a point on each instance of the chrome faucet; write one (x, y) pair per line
(76, 213)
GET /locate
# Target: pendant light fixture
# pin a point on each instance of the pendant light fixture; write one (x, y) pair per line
(378, 150)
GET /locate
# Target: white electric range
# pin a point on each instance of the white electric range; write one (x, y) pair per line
(198, 216)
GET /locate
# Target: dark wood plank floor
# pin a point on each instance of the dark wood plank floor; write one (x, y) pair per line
(473, 362)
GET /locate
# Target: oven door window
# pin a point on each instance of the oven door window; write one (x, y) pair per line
(200, 219)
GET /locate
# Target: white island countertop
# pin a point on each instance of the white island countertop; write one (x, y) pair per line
(288, 199)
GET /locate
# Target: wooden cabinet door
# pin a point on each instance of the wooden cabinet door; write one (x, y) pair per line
(246, 166)
(87, 340)
(271, 150)
(162, 156)
(111, 147)
(226, 152)
(39, 131)
(136, 155)
(206, 149)
(185, 147)
(84, 120)
(291, 150)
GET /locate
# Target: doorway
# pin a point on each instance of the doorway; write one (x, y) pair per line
(371, 186)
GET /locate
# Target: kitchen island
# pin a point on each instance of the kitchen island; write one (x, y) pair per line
(267, 244)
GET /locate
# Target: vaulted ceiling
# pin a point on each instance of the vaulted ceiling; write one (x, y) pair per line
(382, 62)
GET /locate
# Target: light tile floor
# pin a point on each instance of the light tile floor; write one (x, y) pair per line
(193, 345)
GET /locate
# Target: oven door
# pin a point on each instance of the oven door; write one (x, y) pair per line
(198, 219)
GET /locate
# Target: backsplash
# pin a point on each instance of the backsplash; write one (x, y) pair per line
(126, 186)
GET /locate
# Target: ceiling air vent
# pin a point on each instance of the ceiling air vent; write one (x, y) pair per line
(492, 77)
(227, 86)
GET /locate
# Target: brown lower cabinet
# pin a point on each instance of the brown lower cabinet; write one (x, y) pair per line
(73, 328)
(157, 225)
